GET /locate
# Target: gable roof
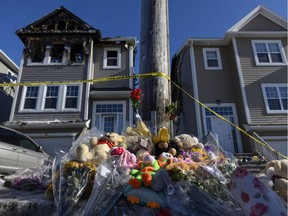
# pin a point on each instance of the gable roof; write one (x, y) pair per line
(70, 24)
(260, 10)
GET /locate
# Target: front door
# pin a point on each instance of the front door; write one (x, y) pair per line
(109, 123)
(228, 136)
(222, 130)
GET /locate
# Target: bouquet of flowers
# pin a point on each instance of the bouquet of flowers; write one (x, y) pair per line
(135, 97)
(70, 178)
(110, 180)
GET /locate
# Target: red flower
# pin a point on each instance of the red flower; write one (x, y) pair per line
(135, 97)
(258, 209)
(244, 197)
(260, 185)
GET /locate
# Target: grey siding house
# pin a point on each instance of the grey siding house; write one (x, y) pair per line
(8, 74)
(242, 77)
(61, 52)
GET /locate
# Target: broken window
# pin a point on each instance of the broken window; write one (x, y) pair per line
(56, 53)
(76, 55)
(37, 52)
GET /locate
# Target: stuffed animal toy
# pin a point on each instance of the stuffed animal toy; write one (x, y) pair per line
(178, 170)
(113, 139)
(185, 141)
(277, 172)
(137, 142)
(141, 154)
(83, 153)
(163, 135)
(144, 175)
(165, 158)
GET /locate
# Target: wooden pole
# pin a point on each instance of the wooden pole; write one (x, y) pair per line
(154, 57)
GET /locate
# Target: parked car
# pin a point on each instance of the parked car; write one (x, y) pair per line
(18, 151)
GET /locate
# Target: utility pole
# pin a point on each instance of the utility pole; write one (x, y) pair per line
(154, 57)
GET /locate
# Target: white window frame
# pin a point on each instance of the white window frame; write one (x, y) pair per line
(270, 63)
(109, 102)
(40, 104)
(78, 98)
(276, 85)
(217, 50)
(44, 96)
(118, 50)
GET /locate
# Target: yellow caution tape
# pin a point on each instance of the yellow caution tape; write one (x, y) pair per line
(104, 79)
(146, 75)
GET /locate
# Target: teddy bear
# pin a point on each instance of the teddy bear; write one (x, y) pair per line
(144, 175)
(185, 141)
(112, 140)
(178, 170)
(137, 142)
(277, 172)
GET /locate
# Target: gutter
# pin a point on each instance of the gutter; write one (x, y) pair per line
(53, 125)
(265, 128)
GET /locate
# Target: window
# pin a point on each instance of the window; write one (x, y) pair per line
(268, 52)
(12, 77)
(212, 59)
(56, 53)
(71, 100)
(76, 55)
(31, 97)
(275, 97)
(51, 98)
(37, 53)
(109, 116)
(112, 58)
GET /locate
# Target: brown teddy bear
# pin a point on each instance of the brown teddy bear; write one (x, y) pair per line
(277, 171)
(186, 141)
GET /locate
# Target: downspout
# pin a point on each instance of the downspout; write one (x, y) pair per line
(242, 86)
(17, 89)
(89, 72)
(131, 85)
(195, 89)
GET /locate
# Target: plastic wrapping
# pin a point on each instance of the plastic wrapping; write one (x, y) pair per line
(191, 200)
(109, 182)
(71, 175)
(36, 178)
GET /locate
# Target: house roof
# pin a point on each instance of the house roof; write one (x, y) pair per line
(240, 25)
(42, 25)
(8, 62)
(260, 10)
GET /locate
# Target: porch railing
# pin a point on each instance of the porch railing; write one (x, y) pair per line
(265, 150)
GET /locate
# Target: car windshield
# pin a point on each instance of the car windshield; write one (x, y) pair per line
(17, 139)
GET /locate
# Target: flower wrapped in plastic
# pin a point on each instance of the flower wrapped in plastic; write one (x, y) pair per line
(212, 181)
(70, 180)
(35, 178)
(72, 174)
(110, 178)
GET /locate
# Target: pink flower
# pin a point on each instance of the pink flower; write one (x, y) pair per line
(244, 197)
(258, 209)
(240, 172)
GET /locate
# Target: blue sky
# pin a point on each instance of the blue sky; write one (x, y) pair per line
(187, 18)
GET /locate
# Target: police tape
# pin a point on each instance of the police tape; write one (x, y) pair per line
(103, 79)
(146, 75)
